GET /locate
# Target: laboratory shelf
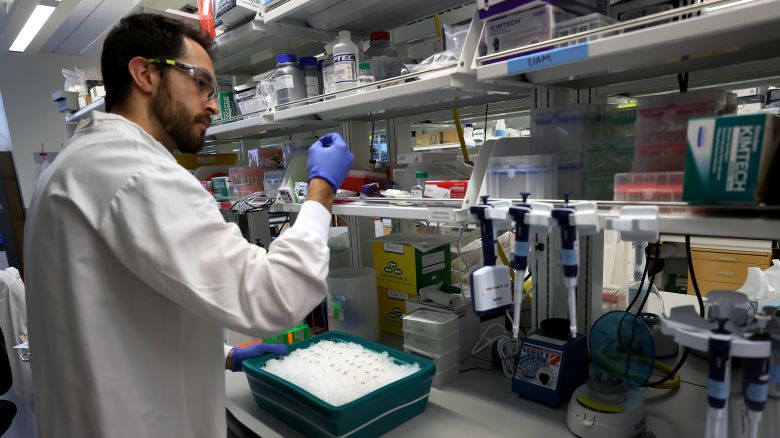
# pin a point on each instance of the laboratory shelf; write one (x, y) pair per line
(262, 126)
(252, 47)
(98, 105)
(359, 16)
(735, 222)
(445, 213)
(441, 89)
(739, 35)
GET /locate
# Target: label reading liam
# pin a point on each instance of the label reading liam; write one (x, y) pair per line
(547, 58)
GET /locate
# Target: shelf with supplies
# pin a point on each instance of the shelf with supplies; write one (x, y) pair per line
(259, 126)
(446, 85)
(760, 222)
(722, 41)
(385, 209)
(358, 16)
(252, 47)
(98, 105)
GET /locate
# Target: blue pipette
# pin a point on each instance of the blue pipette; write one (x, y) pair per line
(568, 257)
(520, 260)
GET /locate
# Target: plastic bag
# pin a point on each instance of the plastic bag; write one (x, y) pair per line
(73, 82)
(454, 40)
(90, 77)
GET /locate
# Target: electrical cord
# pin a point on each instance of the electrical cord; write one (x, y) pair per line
(696, 289)
(507, 348)
(693, 275)
(641, 285)
(652, 279)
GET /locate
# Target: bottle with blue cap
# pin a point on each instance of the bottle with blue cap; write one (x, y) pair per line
(288, 81)
(312, 75)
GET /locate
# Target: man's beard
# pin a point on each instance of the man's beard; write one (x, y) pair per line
(177, 122)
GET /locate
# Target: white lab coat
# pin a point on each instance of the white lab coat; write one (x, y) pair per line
(131, 275)
(13, 320)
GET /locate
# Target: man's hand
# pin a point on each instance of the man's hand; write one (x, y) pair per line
(330, 160)
(247, 351)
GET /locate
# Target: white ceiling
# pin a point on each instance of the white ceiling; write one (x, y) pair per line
(76, 26)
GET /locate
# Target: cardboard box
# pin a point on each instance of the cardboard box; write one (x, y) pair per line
(392, 308)
(227, 106)
(449, 137)
(523, 28)
(731, 159)
(408, 262)
(452, 189)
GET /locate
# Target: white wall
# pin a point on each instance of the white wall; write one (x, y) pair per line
(26, 84)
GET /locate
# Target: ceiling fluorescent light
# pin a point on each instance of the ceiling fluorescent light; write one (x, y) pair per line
(31, 28)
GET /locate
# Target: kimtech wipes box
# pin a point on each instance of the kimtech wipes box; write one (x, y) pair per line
(731, 159)
(408, 262)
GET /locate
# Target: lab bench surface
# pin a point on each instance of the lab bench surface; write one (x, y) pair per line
(481, 403)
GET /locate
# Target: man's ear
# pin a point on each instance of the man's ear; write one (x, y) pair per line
(144, 74)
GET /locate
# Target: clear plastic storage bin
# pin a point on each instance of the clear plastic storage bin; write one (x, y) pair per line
(649, 187)
(246, 180)
(536, 174)
(583, 24)
(431, 324)
(443, 361)
(445, 377)
(431, 345)
(662, 123)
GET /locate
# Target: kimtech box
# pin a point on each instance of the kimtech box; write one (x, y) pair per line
(732, 159)
(408, 262)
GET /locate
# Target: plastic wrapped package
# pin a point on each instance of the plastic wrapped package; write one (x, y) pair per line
(662, 123)
(73, 81)
(454, 40)
(536, 174)
(292, 149)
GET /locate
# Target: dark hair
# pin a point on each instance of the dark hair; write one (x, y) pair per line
(147, 35)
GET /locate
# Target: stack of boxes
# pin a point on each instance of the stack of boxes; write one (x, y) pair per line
(435, 336)
(404, 264)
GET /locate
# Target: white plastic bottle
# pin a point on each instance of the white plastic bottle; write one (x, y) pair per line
(328, 78)
(345, 62)
(500, 130)
(418, 190)
(468, 135)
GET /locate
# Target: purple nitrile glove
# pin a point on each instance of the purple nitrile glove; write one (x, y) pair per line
(242, 353)
(330, 159)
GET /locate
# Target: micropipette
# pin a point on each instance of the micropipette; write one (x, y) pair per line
(569, 257)
(719, 348)
(755, 379)
(520, 259)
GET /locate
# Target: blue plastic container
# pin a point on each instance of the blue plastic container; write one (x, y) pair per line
(368, 416)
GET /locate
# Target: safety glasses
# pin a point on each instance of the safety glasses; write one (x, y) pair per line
(206, 84)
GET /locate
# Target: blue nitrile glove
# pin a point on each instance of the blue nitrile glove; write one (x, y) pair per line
(330, 159)
(256, 349)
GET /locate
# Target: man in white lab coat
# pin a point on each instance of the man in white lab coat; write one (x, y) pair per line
(131, 271)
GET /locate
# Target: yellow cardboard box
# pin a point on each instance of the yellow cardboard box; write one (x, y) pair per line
(408, 262)
(392, 308)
